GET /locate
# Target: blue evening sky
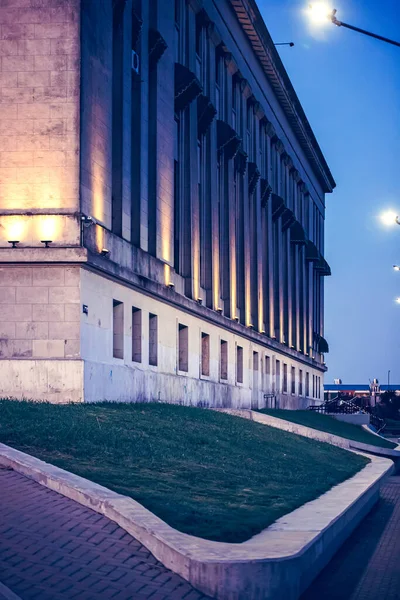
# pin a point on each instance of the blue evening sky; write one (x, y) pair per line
(349, 86)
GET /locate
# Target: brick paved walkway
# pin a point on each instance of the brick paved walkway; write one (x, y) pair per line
(52, 548)
(367, 567)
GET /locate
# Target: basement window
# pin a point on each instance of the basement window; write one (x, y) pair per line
(153, 340)
(136, 335)
(239, 364)
(224, 360)
(205, 354)
(293, 381)
(118, 329)
(183, 348)
(285, 387)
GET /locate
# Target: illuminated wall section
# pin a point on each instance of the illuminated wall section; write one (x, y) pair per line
(39, 116)
(96, 111)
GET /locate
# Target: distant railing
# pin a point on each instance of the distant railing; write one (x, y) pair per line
(376, 422)
(336, 406)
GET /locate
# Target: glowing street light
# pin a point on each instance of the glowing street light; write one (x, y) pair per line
(389, 218)
(396, 267)
(320, 12)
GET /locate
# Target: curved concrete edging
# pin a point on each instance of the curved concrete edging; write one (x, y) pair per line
(280, 562)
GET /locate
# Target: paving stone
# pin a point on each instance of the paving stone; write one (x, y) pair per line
(52, 548)
(367, 566)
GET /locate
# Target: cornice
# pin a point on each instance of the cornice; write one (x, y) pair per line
(249, 17)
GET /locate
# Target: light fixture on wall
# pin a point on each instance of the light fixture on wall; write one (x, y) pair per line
(88, 220)
(105, 252)
(219, 310)
(46, 243)
(13, 243)
(200, 300)
(171, 285)
(236, 319)
(250, 326)
(262, 330)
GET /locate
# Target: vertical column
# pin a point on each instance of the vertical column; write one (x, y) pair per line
(259, 113)
(161, 131)
(246, 317)
(230, 295)
(191, 195)
(269, 232)
(121, 119)
(213, 299)
(280, 325)
(139, 116)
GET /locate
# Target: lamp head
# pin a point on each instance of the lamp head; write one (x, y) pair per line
(389, 218)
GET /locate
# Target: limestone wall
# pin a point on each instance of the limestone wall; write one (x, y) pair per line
(39, 116)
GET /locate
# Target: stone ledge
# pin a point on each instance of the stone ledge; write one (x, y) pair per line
(43, 255)
(281, 561)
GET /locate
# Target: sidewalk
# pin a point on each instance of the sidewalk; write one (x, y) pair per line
(367, 567)
(52, 548)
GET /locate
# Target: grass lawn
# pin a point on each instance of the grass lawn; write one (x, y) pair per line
(330, 425)
(205, 473)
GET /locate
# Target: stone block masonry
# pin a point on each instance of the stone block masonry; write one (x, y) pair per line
(39, 117)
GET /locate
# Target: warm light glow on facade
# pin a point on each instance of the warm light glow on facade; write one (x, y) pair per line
(99, 237)
(48, 228)
(31, 230)
(167, 274)
(15, 229)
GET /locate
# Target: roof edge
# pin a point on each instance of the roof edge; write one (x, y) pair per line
(249, 16)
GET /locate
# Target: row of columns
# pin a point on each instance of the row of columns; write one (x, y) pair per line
(227, 246)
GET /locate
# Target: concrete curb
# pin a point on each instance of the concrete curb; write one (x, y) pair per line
(280, 562)
(7, 594)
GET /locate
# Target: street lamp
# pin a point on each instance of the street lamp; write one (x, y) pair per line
(396, 267)
(389, 218)
(320, 12)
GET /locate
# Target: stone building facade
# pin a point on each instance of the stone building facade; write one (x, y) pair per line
(161, 207)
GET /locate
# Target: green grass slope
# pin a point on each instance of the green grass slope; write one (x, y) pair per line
(205, 473)
(330, 425)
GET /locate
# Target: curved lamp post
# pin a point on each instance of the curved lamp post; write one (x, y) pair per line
(320, 12)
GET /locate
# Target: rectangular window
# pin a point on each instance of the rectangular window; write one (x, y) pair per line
(278, 375)
(118, 329)
(313, 386)
(307, 384)
(293, 381)
(267, 381)
(205, 354)
(136, 334)
(183, 348)
(224, 360)
(239, 364)
(285, 387)
(300, 382)
(319, 387)
(153, 340)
